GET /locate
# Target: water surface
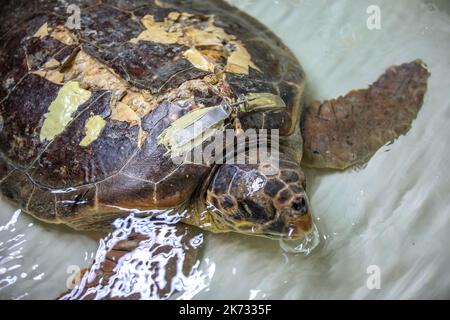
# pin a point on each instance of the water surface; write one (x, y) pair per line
(393, 215)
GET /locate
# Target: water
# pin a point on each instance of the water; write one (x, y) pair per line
(389, 218)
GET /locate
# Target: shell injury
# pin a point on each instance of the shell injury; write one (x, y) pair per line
(59, 33)
(208, 45)
(93, 127)
(128, 103)
(69, 98)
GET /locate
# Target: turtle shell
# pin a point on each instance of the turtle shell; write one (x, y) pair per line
(86, 91)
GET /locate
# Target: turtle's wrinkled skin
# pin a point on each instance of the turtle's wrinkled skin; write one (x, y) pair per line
(60, 180)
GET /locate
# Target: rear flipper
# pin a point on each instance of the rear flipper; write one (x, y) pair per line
(348, 130)
(141, 260)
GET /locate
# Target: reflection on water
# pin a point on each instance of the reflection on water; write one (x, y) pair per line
(145, 258)
(154, 258)
(11, 257)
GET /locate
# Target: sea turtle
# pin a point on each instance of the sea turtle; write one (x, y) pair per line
(94, 96)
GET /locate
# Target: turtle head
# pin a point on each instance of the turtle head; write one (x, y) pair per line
(246, 199)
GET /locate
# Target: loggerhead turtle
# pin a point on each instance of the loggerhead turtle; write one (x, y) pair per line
(91, 102)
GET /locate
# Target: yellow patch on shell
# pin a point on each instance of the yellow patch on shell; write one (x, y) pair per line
(123, 112)
(240, 60)
(93, 127)
(198, 60)
(85, 70)
(52, 63)
(59, 33)
(157, 32)
(174, 16)
(203, 38)
(55, 77)
(42, 31)
(177, 140)
(209, 37)
(63, 35)
(93, 74)
(90, 73)
(59, 114)
(213, 54)
(263, 101)
(141, 102)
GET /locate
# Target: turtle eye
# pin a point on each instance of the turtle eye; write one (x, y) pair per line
(255, 212)
(299, 204)
(244, 207)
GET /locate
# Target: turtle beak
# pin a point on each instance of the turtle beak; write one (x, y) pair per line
(299, 219)
(304, 242)
(294, 220)
(294, 229)
(300, 227)
(302, 236)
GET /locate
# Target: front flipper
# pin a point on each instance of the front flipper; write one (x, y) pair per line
(141, 259)
(348, 130)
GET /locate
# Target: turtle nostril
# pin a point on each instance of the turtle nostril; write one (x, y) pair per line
(299, 204)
